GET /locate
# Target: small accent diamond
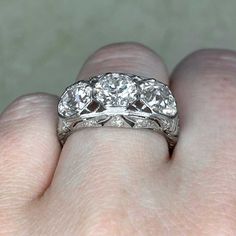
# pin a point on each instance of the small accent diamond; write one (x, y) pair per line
(115, 89)
(87, 123)
(158, 97)
(140, 123)
(74, 99)
(146, 123)
(117, 121)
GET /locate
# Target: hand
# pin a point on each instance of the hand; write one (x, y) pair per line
(111, 181)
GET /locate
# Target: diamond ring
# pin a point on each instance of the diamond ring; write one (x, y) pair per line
(118, 100)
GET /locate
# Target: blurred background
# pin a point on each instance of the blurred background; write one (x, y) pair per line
(44, 43)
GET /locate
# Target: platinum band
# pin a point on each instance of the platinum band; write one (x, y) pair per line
(118, 100)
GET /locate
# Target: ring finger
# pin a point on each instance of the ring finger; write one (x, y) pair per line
(106, 162)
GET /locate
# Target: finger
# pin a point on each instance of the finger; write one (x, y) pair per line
(125, 57)
(28, 148)
(205, 86)
(107, 160)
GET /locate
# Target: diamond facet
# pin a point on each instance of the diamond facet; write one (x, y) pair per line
(115, 90)
(74, 99)
(158, 97)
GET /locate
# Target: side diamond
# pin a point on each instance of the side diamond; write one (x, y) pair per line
(158, 97)
(115, 89)
(74, 99)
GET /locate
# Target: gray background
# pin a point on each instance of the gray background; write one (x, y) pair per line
(43, 43)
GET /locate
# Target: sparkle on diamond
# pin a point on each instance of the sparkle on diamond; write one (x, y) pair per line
(74, 99)
(158, 97)
(115, 90)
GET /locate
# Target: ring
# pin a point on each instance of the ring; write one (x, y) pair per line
(118, 100)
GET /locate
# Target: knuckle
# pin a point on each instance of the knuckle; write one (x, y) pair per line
(122, 50)
(211, 74)
(25, 106)
(214, 61)
(215, 70)
(29, 100)
(128, 57)
(123, 45)
(22, 116)
(213, 52)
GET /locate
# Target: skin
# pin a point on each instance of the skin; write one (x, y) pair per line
(110, 181)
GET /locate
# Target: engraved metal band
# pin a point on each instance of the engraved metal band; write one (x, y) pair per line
(119, 100)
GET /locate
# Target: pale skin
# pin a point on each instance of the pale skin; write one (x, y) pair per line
(111, 181)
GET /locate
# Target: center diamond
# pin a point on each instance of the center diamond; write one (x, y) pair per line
(115, 90)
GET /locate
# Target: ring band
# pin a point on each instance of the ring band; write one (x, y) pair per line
(118, 100)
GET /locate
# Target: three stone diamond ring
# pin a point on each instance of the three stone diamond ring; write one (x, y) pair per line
(119, 100)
